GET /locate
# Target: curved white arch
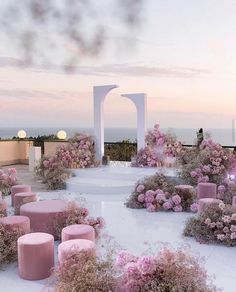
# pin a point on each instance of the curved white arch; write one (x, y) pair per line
(99, 94)
(140, 102)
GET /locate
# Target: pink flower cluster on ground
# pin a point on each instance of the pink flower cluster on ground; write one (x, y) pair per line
(159, 200)
(158, 146)
(227, 190)
(8, 178)
(78, 153)
(166, 271)
(210, 163)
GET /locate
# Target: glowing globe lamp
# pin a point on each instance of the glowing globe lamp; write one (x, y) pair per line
(61, 135)
(21, 134)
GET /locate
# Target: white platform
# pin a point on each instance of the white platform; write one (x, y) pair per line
(110, 180)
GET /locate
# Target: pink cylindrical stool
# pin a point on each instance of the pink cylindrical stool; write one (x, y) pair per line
(74, 246)
(18, 189)
(78, 231)
(234, 201)
(3, 207)
(206, 190)
(23, 198)
(16, 222)
(204, 203)
(35, 255)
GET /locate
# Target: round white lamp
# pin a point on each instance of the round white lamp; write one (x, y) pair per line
(21, 134)
(61, 135)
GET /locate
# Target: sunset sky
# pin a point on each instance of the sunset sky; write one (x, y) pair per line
(183, 56)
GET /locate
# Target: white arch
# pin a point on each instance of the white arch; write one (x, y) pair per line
(140, 102)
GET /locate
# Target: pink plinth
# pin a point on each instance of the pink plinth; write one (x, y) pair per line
(43, 214)
(74, 246)
(3, 207)
(204, 203)
(234, 201)
(23, 198)
(35, 256)
(78, 231)
(18, 189)
(16, 222)
(206, 190)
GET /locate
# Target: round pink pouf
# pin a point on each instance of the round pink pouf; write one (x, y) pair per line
(74, 246)
(18, 189)
(23, 198)
(3, 207)
(204, 203)
(78, 231)
(35, 256)
(44, 214)
(206, 190)
(16, 222)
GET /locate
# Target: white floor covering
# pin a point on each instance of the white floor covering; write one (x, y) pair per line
(133, 229)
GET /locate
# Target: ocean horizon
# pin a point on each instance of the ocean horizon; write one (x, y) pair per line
(185, 135)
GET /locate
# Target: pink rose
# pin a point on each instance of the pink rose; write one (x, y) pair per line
(140, 188)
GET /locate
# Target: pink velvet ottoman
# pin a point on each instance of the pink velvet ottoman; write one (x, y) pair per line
(234, 201)
(16, 222)
(74, 246)
(35, 256)
(206, 202)
(78, 231)
(206, 190)
(44, 214)
(3, 207)
(23, 198)
(18, 189)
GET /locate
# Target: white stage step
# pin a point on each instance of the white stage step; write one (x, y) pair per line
(109, 180)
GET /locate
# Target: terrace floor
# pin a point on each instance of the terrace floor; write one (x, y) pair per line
(133, 230)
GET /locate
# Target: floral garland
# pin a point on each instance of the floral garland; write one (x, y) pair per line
(8, 178)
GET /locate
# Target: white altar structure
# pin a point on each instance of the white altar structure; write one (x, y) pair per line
(140, 102)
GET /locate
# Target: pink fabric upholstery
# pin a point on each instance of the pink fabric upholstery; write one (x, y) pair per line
(35, 256)
(183, 187)
(43, 214)
(78, 231)
(204, 203)
(3, 207)
(234, 201)
(18, 189)
(74, 246)
(23, 198)
(17, 222)
(206, 190)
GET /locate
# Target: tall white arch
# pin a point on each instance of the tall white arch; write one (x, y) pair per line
(140, 102)
(99, 95)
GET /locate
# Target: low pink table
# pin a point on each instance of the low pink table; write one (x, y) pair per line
(21, 223)
(43, 214)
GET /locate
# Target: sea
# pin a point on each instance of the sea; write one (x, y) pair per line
(185, 135)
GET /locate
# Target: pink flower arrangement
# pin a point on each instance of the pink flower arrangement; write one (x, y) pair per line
(8, 178)
(79, 153)
(165, 271)
(158, 146)
(217, 224)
